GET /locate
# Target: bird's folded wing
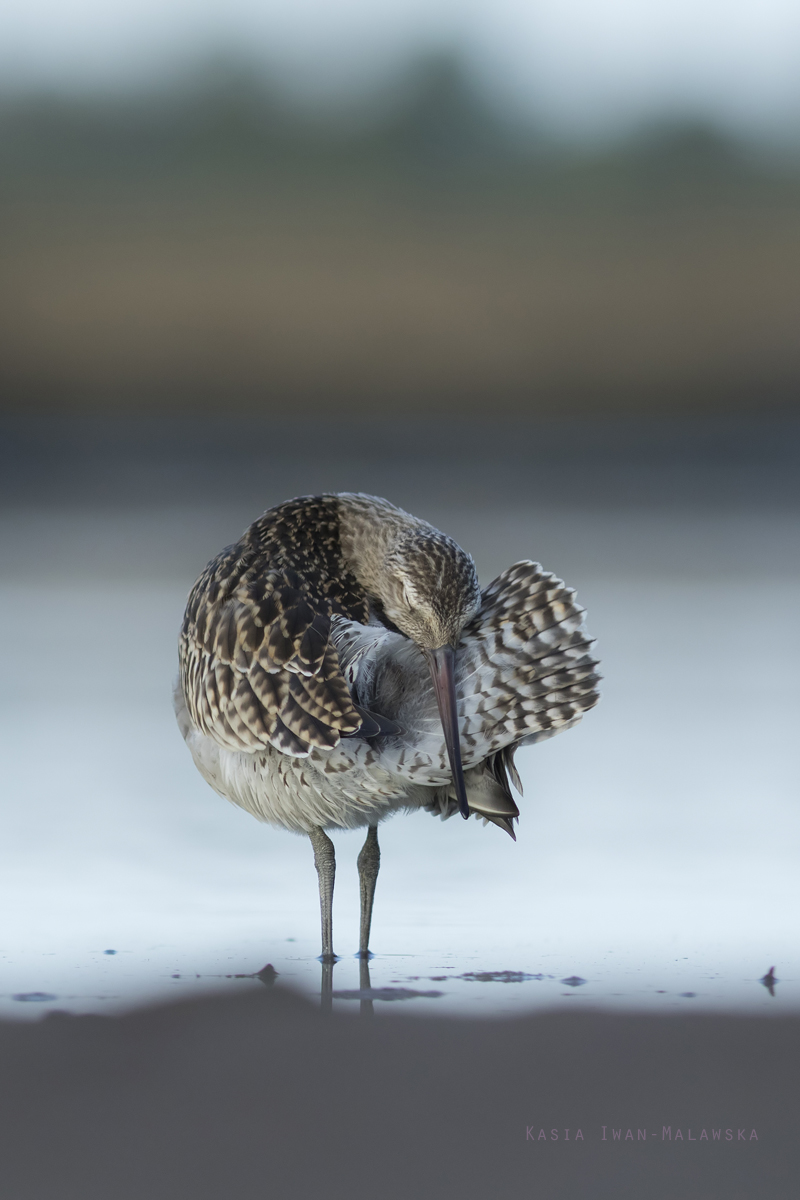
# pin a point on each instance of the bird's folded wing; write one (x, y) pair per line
(524, 672)
(258, 664)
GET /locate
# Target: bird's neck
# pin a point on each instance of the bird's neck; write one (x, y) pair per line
(369, 528)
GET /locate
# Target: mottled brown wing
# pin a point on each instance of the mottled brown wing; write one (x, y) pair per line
(258, 666)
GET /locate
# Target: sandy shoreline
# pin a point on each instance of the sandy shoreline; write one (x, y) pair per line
(262, 1095)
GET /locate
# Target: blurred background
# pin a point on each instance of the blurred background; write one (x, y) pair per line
(531, 271)
(416, 207)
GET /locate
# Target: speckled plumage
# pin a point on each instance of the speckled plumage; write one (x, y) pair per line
(303, 702)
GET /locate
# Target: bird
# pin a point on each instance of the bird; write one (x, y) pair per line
(341, 663)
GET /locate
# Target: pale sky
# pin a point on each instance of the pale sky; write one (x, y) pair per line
(583, 64)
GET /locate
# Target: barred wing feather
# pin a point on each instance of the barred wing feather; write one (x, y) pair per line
(524, 673)
(528, 671)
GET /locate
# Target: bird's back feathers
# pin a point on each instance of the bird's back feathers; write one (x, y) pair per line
(258, 666)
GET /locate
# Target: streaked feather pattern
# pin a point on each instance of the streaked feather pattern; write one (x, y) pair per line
(524, 672)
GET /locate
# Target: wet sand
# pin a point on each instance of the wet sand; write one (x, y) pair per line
(264, 1096)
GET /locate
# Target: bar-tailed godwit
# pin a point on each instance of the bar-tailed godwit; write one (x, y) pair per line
(340, 662)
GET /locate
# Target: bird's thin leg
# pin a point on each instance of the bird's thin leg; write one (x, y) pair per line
(325, 862)
(369, 861)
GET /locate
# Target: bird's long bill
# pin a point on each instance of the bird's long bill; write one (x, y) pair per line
(442, 665)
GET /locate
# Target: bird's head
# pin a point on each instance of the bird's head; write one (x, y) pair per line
(429, 588)
(430, 593)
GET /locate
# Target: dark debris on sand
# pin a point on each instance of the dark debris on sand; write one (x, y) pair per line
(500, 976)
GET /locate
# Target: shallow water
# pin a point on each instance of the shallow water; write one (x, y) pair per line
(657, 850)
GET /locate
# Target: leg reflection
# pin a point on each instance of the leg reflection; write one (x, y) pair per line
(364, 984)
(326, 987)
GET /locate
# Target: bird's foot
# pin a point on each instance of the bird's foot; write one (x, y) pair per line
(363, 954)
(328, 958)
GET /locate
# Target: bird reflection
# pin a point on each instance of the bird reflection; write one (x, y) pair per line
(326, 984)
(367, 1008)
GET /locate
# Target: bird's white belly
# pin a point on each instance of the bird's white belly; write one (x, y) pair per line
(344, 788)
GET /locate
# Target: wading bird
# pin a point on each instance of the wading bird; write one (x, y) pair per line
(340, 662)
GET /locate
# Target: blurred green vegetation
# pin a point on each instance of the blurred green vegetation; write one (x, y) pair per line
(430, 126)
(210, 241)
